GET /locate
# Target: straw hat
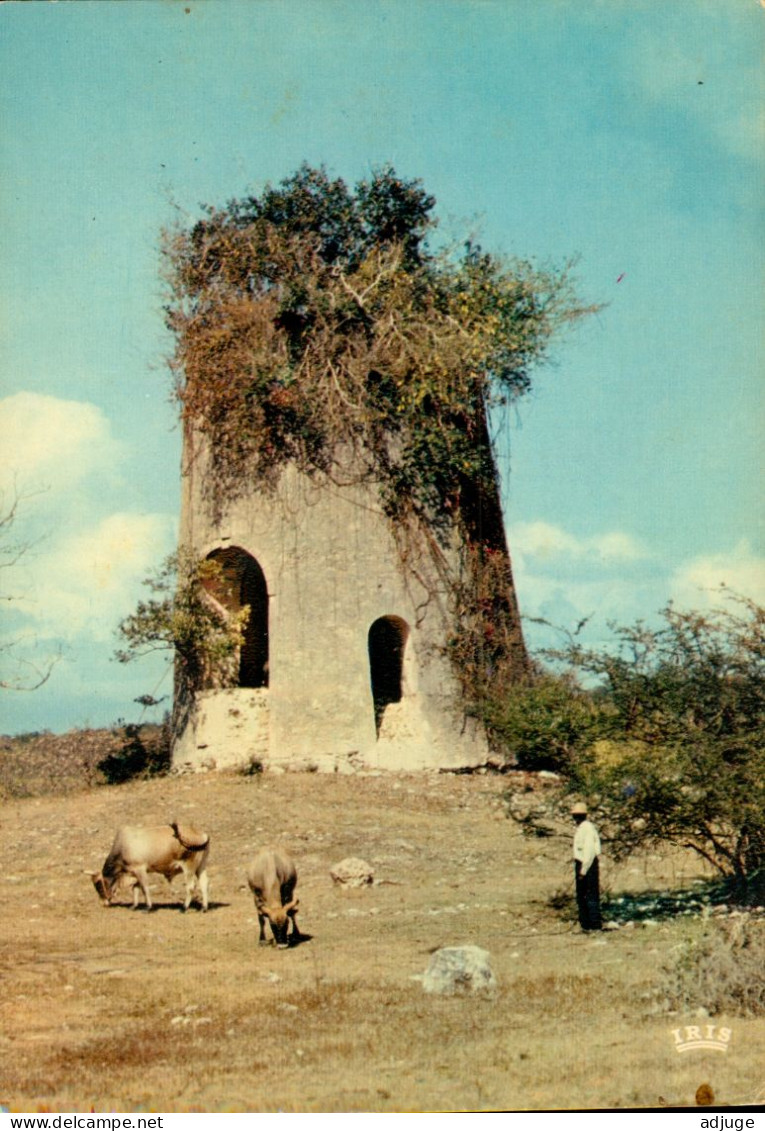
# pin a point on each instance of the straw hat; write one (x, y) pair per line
(579, 809)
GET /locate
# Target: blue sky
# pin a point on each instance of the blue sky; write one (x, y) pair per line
(628, 134)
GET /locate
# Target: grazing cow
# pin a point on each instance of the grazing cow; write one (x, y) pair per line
(272, 877)
(166, 849)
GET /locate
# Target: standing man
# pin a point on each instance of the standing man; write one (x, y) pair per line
(586, 869)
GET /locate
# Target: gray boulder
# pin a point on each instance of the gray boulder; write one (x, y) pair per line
(459, 970)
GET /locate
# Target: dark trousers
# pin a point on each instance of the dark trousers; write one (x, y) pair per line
(588, 896)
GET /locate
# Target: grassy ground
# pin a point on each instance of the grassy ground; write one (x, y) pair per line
(123, 1010)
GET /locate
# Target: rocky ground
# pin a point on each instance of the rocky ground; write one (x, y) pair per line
(123, 1010)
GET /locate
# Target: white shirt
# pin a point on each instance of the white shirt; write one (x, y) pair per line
(586, 845)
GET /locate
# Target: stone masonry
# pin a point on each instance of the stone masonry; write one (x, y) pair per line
(346, 666)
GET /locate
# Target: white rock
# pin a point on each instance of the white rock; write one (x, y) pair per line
(352, 873)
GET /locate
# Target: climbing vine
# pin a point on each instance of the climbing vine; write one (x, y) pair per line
(315, 325)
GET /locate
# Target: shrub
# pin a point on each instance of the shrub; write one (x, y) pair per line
(541, 725)
(722, 970)
(137, 757)
(686, 766)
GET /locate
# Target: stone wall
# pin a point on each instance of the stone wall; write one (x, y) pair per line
(332, 569)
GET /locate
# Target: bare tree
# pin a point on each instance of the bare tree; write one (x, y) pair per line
(18, 672)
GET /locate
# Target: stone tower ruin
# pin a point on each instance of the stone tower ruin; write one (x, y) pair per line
(336, 380)
(345, 661)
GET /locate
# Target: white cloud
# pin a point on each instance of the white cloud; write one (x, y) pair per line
(50, 445)
(696, 583)
(562, 578)
(544, 541)
(89, 542)
(87, 581)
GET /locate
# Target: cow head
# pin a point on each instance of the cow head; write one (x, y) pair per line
(104, 889)
(279, 918)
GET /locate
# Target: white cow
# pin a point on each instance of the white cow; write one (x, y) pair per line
(272, 877)
(165, 849)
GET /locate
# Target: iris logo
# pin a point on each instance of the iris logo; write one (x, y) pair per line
(701, 1037)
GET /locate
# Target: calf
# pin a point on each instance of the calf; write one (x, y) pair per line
(272, 877)
(165, 849)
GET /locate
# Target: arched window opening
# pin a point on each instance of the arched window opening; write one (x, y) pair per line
(387, 641)
(242, 582)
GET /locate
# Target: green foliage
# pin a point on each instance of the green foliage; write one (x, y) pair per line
(686, 760)
(544, 723)
(183, 616)
(313, 324)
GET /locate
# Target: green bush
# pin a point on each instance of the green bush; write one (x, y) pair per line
(687, 710)
(541, 725)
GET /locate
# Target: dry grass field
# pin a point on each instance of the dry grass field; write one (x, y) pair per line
(121, 1010)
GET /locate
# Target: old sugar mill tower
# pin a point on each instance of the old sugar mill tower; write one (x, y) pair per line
(340, 507)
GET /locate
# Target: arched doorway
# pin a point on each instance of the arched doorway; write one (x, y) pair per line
(386, 642)
(242, 582)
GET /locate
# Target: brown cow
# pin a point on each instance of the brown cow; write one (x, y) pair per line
(272, 877)
(165, 849)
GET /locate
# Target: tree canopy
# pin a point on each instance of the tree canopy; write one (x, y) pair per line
(315, 324)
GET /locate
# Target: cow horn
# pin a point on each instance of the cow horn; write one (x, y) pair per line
(87, 872)
(293, 903)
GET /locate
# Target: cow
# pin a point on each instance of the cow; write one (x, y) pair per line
(165, 849)
(272, 877)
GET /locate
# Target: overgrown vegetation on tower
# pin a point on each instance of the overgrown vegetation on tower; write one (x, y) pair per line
(315, 325)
